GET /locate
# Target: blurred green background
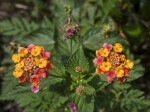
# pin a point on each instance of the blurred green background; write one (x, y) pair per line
(131, 17)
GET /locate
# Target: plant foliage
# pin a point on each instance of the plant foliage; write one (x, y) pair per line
(59, 89)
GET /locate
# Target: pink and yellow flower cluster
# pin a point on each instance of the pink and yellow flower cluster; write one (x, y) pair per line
(31, 65)
(110, 60)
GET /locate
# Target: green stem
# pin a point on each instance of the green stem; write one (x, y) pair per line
(79, 79)
(70, 47)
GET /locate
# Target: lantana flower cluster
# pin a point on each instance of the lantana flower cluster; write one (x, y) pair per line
(109, 60)
(31, 65)
(70, 29)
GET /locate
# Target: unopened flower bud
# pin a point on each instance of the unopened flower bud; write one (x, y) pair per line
(67, 9)
(80, 90)
(106, 29)
(13, 46)
(79, 69)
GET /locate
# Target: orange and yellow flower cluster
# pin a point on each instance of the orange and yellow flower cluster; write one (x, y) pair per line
(110, 60)
(31, 65)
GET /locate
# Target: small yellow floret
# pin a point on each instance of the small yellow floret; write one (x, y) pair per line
(105, 53)
(105, 66)
(122, 57)
(36, 51)
(119, 71)
(16, 58)
(99, 52)
(37, 62)
(19, 65)
(22, 52)
(42, 63)
(128, 64)
(18, 72)
(118, 47)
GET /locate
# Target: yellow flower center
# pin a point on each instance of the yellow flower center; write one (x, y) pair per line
(114, 59)
(29, 63)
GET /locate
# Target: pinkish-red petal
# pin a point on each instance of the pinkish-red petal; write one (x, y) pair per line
(37, 71)
(48, 54)
(105, 45)
(109, 47)
(109, 79)
(100, 60)
(34, 88)
(95, 61)
(30, 47)
(43, 55)
(43, 75)
(111, 74)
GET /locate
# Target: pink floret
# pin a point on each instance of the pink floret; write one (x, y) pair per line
(109, 47)
(30, 47)
(34, 88)
(110, 75)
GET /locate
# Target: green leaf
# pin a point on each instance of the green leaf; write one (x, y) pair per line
(92, 38)
(114, 38)
(40, 37)
(91, 12)
(20, 88)
(99, 82)
(134, 75)
(63, 46)
(85, 24)
(17, 27)
(44, 84)
(136, 32)
(58, 70)
(47, 23)
(58, 9)
(133, 99)
(103, 82)
(41, 101)
(89, 90)
(119, 86)
(50, 81)
(83, 103)
(78, 59)
(9, 81)
(107, 6)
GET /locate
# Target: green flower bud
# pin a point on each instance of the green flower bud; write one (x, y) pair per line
(80, 90)
(67, 9)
